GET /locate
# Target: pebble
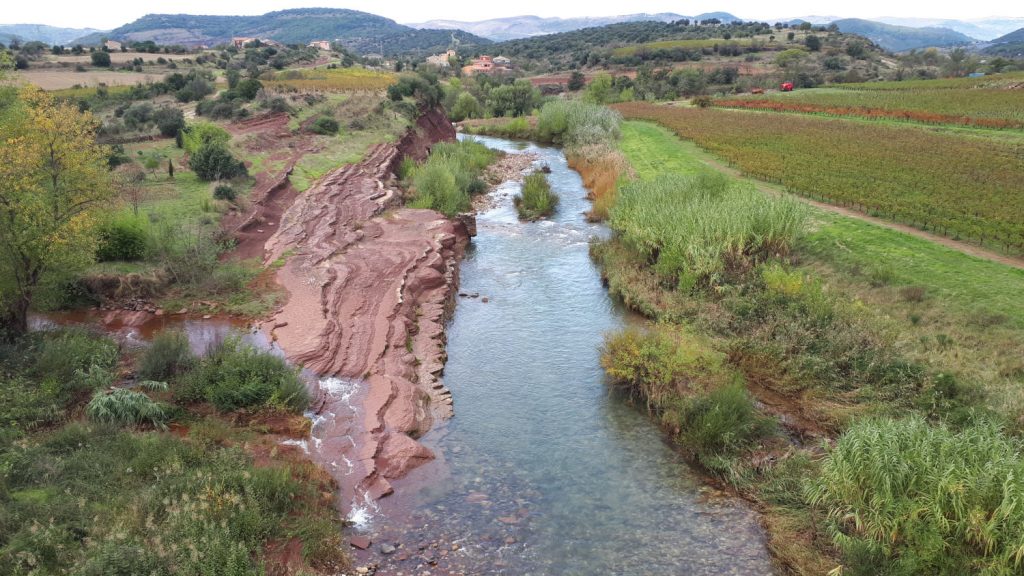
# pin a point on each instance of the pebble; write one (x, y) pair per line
(387, 549)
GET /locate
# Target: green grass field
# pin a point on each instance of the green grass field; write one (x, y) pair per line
(969, 284)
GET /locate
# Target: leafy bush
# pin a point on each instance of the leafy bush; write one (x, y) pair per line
(700, 230)
(224, 192)
(235, 375)
(72, 358)
(536, 200)
(577, 124)
(906, 497)
(215, 162)
(200, 134)
(466, 106)
(169, 121)
(100, 59)
(449, 176)
(324, 125)
(124, 407)
(719, 425)
(169, 355)
(123, 238)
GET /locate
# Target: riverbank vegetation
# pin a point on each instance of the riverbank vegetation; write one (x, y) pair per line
(536, 200)
(94, 483)
(802, 366)
(448, 179)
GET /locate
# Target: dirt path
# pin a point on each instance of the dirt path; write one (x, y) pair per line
(371, 285)
(959, 246)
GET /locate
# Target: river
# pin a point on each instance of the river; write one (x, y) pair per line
(543, 470)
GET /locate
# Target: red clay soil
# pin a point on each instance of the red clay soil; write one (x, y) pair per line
(371, 285)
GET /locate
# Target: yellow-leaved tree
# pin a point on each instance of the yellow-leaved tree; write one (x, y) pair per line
(53, 184)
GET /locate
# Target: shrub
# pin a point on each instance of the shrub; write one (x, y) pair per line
(169, 355)
(324, 125)
(435, 188)
(449, 176)
(124, 407)
(200, 134)
(214, 162)
(536, 200)
(235, 375)
(700, 230)
(466, 106)
(720, 424)
(100, 59)
(906, 497)
(73, 359)
(224, 192)
(575, 124)
(123, 238)
(169, 121)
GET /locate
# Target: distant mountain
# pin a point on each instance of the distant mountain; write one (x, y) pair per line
(1011, 44)
(359, 31)
(515, 27)
(902, 38)
(42, 33)
(982, 29)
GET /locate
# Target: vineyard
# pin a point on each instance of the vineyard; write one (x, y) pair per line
(962, 187)
(331, 80)
(988, 103)
(694, 44)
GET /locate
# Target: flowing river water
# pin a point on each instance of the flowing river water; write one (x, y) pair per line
(543, 470)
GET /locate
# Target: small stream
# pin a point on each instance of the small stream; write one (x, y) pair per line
(543, 470)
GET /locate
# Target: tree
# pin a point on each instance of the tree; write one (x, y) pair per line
(128, 179)
(100, 59)
(214, 162)
(466, 106)
(53, 186)
(601, 89)
(813, 43)
(576, 81)
(516, 99)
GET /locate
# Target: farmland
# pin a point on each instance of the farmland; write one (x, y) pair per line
(331, 80)
(963, 187)
(59, 79)
(990, 104)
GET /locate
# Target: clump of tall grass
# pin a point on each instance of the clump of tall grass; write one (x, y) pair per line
(449, 177)
(906, 497)
(124, 407)
(168, 356)
(700, 230)
(600, 167)
(536, 200)
(235, 375)
(576, 124)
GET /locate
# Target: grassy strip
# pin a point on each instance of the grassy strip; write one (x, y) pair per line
(449, 177)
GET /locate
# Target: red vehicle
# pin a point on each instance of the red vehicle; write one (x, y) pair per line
(786, 87)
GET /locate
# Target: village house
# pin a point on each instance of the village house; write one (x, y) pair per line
(320, 44)
(112, 46)
(442, 60)
(487, 64)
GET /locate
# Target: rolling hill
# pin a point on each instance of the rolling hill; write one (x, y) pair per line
(42, 33)
(516, 27)
(1011, 44)
(359, 31)
(983, 29)
(902, 38)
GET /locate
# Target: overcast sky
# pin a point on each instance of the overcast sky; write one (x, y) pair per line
(113, 13)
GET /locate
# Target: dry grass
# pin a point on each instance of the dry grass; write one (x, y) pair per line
(59, 79)
(600, 169)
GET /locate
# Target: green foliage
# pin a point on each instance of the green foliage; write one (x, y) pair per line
(906, 497)
(536, 200)
(720, 425)
(118, 502)
(124, 407)
(701, 230)
(576, 124)
(235, 375)
(516, 99)
(168, 356)
(325, 126)
(450, 176)
(466, 106)
(215, 162)
(123, 238)
(423, 88)
(224, 192)
(169, 121)
(200, 134)
(100, 59)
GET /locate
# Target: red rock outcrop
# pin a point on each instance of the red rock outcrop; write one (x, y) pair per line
(371, 285)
